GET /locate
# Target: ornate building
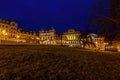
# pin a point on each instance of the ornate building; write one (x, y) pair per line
(71, 38)
(98, 41)
(49, 37)
(10, 33)
(8, 30)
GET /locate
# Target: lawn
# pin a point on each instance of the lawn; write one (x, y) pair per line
(57, 63)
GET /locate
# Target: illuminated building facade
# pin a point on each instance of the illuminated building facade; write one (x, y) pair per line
(9, 32)
(49, 37)
(115, 46)
(97, 40)
(71, 38)
(27, 37)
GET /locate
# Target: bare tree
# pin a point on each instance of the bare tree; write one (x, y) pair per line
(109, 23)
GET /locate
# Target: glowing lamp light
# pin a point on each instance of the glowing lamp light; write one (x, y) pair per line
(3, 31)
(18, 36)
(107, 43)
(37, 38)
(67, 42)
(96, 42)
(104, 43)
(6, 33)
(118, 49)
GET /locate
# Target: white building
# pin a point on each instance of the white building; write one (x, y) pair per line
(49, 37)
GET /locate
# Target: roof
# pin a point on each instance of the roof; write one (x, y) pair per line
(71, 31)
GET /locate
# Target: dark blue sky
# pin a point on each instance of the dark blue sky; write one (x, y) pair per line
(36, 14)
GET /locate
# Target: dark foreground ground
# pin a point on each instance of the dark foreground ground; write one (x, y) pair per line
(57, 63)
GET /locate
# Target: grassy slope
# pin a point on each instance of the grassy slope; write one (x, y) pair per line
(60, 63)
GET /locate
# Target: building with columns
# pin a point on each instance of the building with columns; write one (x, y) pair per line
(71, 38)
(10, 33)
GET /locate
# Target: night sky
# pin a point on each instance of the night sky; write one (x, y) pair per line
(32, 15)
